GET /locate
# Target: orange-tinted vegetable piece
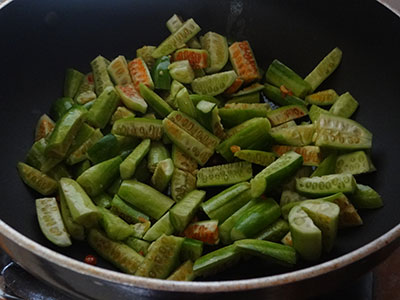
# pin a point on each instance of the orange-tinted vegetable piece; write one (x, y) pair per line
(44, 127)
(205, 231)
(243, 61)
(234, 87)
(140, 73)
(198, 59)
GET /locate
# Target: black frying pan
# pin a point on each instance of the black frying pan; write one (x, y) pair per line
(39, 40)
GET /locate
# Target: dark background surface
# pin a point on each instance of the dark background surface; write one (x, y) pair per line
(39, 40)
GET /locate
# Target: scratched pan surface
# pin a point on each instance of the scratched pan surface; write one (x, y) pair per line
(39, 40)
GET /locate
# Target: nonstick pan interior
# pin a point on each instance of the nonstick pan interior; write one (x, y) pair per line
(41, 39)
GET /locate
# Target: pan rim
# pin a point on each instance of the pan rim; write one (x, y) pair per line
(76, 266)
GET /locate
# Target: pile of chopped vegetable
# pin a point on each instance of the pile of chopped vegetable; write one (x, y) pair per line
(129, 153)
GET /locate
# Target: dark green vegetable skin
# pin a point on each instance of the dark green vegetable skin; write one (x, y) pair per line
(160, 73)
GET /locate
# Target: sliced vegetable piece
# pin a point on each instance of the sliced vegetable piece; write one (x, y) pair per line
(64, 132)
(249, 98)
(284, 125)
(182, 161)
(73, 79)
(176, 87)
(128, 167)
(275, 173)
(82, 209)
(236, 113)
(226, 174)
(205, 231)
(287, 240)
(182, 213)
(341, 133)
(322, 98)
(182, 182)
(160, 73)
(76, 231)
(234, 87)
(97, 178)
(36, 157)
(217, 48)
(197, 58)
(140, 74)
(243, 61)
(126, 211)
(325, 216)
(146, 54)
(326, 167)
(192, 127)
(181, 71)
(184, 103)
(311, 154)
(226, 227)
(253, 220)
(357, 162)
(315, 111)
(81, 153)
(150, 201)
(139, 127)
(344, 106)
(270, 251)
(274, 232)
(213, 84)
(326, 185)
(216, 261)
(131, 97)
(183, 273)
(118, 70)
(103, 108)
(187, 143)
(162, 226)
(37, 180)
(51, 223)
(100, 74)
(162, 258)
(348, 215)
(196, 98)
(158, 152)
(85, 93)
(286, 113)
(60, 106)
(279, 75)
(140, 229)
(300, 135)
(187, 31)
(163, 174)
(44, 127)
(156, 102)
(119, 254)
(120, 113)
(276, 95)
(306, 237)
(325, 68)
(173, 24)
(105, 148)
(223, 198)
(262, 158)
(191, 249)
(289, 196)
(115, 228)
(366, 197)
(244, 136)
